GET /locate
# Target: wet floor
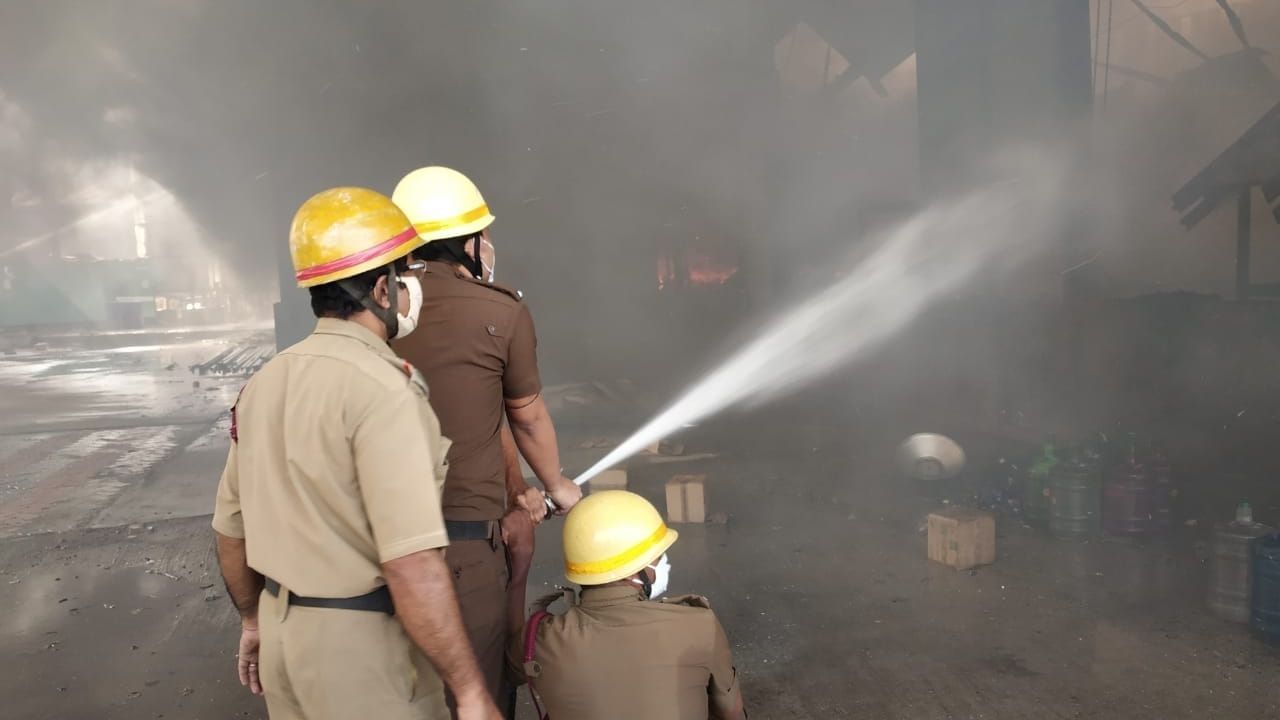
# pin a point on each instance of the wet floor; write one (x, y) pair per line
(108, 455)
(84, 427)
(817, 570)
(105, 625)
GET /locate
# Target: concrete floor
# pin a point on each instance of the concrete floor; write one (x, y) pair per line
(108, 462)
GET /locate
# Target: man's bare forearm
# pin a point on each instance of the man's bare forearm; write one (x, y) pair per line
(517, 593)
(517, 532)
(535, 435)
(244, 584)
(422, 589)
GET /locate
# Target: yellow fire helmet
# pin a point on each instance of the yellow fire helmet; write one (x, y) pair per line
(611, 535)
(342, 232)
(442, 203)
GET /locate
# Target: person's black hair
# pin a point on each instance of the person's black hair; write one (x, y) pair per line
(453, 251)
(333, 301)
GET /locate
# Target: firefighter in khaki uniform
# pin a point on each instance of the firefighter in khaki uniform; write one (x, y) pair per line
(330, 541)
(614, 655)
(478, 351)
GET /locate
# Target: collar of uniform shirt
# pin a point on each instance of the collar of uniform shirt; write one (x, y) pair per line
(346, 328)
(611, 595)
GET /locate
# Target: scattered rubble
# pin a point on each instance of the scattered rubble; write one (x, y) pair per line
(238, 360)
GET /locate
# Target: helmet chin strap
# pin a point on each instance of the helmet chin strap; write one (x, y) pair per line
(470, 262)
(645, 584)
(388, 314)
(477, 265)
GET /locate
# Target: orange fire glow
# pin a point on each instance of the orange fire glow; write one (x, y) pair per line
(701, 269)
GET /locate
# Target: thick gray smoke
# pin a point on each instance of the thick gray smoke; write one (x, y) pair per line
(913, 266)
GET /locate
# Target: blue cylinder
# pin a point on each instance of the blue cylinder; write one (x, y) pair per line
(1265, 615)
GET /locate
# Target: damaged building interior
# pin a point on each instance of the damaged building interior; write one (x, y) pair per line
(944, 331)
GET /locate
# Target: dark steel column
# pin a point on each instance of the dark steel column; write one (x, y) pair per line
(1244, 232)
(293, 317)
(993, 73)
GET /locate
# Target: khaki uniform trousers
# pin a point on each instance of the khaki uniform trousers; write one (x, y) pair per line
(480, 578)
(330, 664)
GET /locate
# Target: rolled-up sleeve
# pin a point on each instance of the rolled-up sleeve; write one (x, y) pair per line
(394, 469)
(520, 377)
(724, 690)
(227, 518)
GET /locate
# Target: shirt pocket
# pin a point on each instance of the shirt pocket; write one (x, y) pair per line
(496, 335)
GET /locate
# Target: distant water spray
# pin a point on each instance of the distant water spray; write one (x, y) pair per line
(120, 204)
(914, 265)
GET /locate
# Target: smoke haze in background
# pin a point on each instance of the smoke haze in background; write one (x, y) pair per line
(601, 132)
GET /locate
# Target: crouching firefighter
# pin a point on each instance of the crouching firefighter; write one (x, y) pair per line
(622, 651)
(330, 541)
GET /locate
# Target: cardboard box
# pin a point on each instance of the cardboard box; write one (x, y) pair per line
(608, 480)
(687, 499)
(962, 538)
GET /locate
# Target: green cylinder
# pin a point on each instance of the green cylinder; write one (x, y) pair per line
(1075, 497)
(1035, 489)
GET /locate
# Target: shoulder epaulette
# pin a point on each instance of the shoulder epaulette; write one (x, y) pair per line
(410, 372)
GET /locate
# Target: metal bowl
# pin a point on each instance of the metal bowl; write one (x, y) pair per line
(929, 456)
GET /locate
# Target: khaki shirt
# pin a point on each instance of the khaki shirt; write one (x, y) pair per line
(475, 344)
(615, 655)
(321, 480)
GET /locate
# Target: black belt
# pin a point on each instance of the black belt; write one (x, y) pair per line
(469, 529)
(376, 601)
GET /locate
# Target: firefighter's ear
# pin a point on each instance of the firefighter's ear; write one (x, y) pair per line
(379, 292)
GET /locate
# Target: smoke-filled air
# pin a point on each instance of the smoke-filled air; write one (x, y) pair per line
(783, 359)
(912, 266)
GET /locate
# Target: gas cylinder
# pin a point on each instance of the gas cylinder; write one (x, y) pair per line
(1265, 603)
(1161, 472)
(1074, 496)
(1230, 565)
(1128, 497)
(1035, 495)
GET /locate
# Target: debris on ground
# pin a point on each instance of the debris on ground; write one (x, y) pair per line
(718, 518)
(601, 396)
(665, 459)
(238, 360)
(670, 448)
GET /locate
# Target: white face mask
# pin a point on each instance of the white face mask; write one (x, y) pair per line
(408, 322)
(661, 578)
(489, 268)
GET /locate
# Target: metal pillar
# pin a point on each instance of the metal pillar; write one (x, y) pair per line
(1244, 232)
(293, 317)
(995, 73)
(951, 74)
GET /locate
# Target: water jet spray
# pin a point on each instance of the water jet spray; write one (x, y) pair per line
(913, 266)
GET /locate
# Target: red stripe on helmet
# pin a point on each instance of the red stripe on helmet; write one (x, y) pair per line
(361, 257)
